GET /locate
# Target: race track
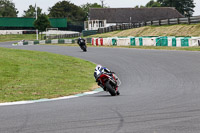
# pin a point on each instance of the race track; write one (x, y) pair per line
(160, 93)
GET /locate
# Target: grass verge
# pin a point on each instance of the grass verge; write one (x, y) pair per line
(6, 38)
(167, 30)
(30, 75)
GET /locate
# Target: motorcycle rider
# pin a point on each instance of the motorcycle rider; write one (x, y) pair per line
(80, 40)
(99, 70)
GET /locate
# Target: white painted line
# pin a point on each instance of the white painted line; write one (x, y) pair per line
(54, 99)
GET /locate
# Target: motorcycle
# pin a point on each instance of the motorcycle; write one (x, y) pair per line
(110, 83)
(82, 45)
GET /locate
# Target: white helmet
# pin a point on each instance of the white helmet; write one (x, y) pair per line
(98, 68)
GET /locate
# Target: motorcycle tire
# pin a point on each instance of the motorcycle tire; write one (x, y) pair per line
(84, 48)
(110, 89)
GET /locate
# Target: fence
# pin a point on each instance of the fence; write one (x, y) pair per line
(189, 20)
(63, 36)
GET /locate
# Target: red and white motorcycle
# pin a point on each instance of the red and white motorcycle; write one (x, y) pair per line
(109, 82)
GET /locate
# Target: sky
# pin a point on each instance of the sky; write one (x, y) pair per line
(22, 5)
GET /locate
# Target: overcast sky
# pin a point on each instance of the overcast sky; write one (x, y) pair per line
(22, 5)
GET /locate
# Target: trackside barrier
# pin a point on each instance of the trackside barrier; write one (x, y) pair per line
(172, 41)
(107, 41)
(101, 41)
(137, 42)
(195, 41)
(132, 41)
(68, 41)
(55, 41)
(97, 41)
(161, 41)
(30, 43)
(36, 42)
(121, 42)
(42, 42)
(140, 41)
(148, 41)
(93, 39)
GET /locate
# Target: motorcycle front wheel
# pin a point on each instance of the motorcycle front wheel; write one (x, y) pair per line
(110, 89)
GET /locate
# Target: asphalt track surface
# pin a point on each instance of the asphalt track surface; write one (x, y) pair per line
(160, 93)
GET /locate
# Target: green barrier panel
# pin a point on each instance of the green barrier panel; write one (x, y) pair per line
(114, 42)
(25, 43)
(162, 41)
(141, 41)
(61, 41)
(158, 42)
(184, 42)
(73, 41)
(36, 42)
(132, 41)
(47, 41)
(89, 32)
(173, 42)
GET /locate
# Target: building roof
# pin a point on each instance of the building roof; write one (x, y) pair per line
(133, 15)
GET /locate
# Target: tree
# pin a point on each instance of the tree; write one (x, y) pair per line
(7, 9)
(153, 3)
(31, 12)
(67, 9)
(42, 23)
(185, 7)
(87, 6)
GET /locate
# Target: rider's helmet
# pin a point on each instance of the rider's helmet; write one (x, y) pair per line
(98, 68)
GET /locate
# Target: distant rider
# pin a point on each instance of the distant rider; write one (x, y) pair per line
(80, 41)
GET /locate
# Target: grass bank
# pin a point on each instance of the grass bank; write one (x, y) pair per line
(6, 38)
(169, 30)
(28, 75)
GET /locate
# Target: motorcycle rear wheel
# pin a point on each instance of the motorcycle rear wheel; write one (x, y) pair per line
(84, 48)
(110, 89)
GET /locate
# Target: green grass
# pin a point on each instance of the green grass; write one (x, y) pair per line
(28, 75)
(166, 30)
(6, 38)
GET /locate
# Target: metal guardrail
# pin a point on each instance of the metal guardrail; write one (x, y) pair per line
(63, 36)
(189, 20)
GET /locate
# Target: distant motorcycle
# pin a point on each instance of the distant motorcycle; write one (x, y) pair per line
(109, 83)
(82, 44)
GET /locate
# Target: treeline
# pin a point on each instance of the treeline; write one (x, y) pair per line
(76, 15)
(80, 13)
(185, 7)
(60, 9)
